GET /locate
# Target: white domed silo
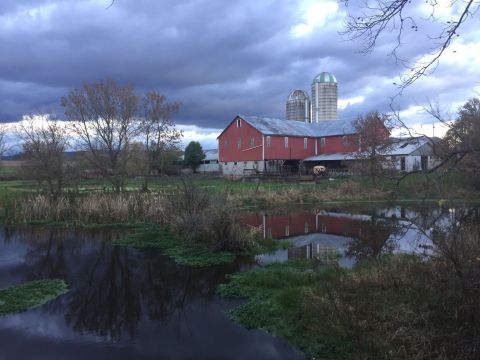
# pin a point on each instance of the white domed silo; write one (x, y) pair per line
(298, 106)
(324, 97)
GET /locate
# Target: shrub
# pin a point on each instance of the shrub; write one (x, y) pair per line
(206, 217)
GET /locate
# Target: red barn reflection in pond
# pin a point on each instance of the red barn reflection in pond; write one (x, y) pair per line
(325, 236)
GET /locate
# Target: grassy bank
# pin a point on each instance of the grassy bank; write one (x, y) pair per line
(398, 308)
(97, 198)
(30, 295)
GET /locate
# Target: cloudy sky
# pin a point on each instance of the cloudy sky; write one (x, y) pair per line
(220, 58)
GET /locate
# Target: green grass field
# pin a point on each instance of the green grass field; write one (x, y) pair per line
(414, 187)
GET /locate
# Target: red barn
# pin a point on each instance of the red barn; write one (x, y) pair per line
(257, 144)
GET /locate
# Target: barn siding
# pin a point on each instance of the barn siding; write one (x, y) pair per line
(294, 151)
(337, 144)
(245, 133)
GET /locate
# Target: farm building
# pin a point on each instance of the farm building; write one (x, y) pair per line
(413, 154)
(251, 144)
(210, 162)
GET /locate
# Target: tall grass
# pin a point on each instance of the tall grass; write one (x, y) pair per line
(199, 215)
(97, 208)
(207, 217)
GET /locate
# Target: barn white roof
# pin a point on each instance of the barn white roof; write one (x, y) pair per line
(211, 154)
(409, 145)
(273, 126)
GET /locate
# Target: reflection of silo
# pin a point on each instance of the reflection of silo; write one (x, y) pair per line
(298, 106)
(324, 97)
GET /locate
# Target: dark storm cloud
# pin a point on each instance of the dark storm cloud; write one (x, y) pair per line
(218, 58)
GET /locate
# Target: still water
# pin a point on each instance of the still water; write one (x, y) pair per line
(122, 304)
(129, 304)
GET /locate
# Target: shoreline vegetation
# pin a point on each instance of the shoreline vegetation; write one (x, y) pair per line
(398, 306)
(93, 201)
(30, 295)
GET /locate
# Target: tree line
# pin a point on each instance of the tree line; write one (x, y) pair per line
(119, 133)
(458, 150)
(115, 132)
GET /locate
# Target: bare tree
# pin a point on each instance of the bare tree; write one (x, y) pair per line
(44, 143)
(374, 144)
(158, 131)
(380, 16)
(2, 140)
(103, 118)
(460, 148)
(3, 145)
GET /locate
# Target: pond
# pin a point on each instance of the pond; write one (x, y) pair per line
(130, 304)
(122, 304)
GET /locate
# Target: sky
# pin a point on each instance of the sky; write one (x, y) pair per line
(222, 58)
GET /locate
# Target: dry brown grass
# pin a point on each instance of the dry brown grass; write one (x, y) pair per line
(91, 208)
(348, 190)
(405, 307)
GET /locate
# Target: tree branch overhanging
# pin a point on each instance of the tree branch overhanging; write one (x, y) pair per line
(381, 16)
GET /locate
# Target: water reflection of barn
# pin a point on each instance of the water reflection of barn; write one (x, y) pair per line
(284, 226)
(321, 235)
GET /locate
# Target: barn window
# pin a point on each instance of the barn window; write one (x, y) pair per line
(287, 230)
(252, 142)
(305, 143)
(239, 123)
(345, 141)
(322, 142)
(306, 228)
(239, 143)
(226, 144)
(268, 141)
(286, 142)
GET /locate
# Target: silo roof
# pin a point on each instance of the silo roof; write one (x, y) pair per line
(325, 77)
(273, 126)
(298, 95)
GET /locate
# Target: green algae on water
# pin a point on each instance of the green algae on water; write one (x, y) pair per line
(30, 295)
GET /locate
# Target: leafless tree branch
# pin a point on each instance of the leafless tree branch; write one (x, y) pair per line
(392, 15)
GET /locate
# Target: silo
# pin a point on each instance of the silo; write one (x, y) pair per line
(298, 106)
(324, 97)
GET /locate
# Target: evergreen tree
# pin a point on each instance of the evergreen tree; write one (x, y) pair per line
(193, 155)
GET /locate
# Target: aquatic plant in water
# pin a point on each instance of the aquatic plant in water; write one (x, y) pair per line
(30, 295)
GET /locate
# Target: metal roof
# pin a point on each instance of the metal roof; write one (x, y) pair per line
(273, 126)
(331, 157)
(409, 145)
(325, 77)
(211, 154)
(297, 95)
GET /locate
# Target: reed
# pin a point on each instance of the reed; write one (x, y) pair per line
(91, 208)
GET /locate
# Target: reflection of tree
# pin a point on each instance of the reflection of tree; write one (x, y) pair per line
(114, 288)
(373, 240)
(105, 300)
